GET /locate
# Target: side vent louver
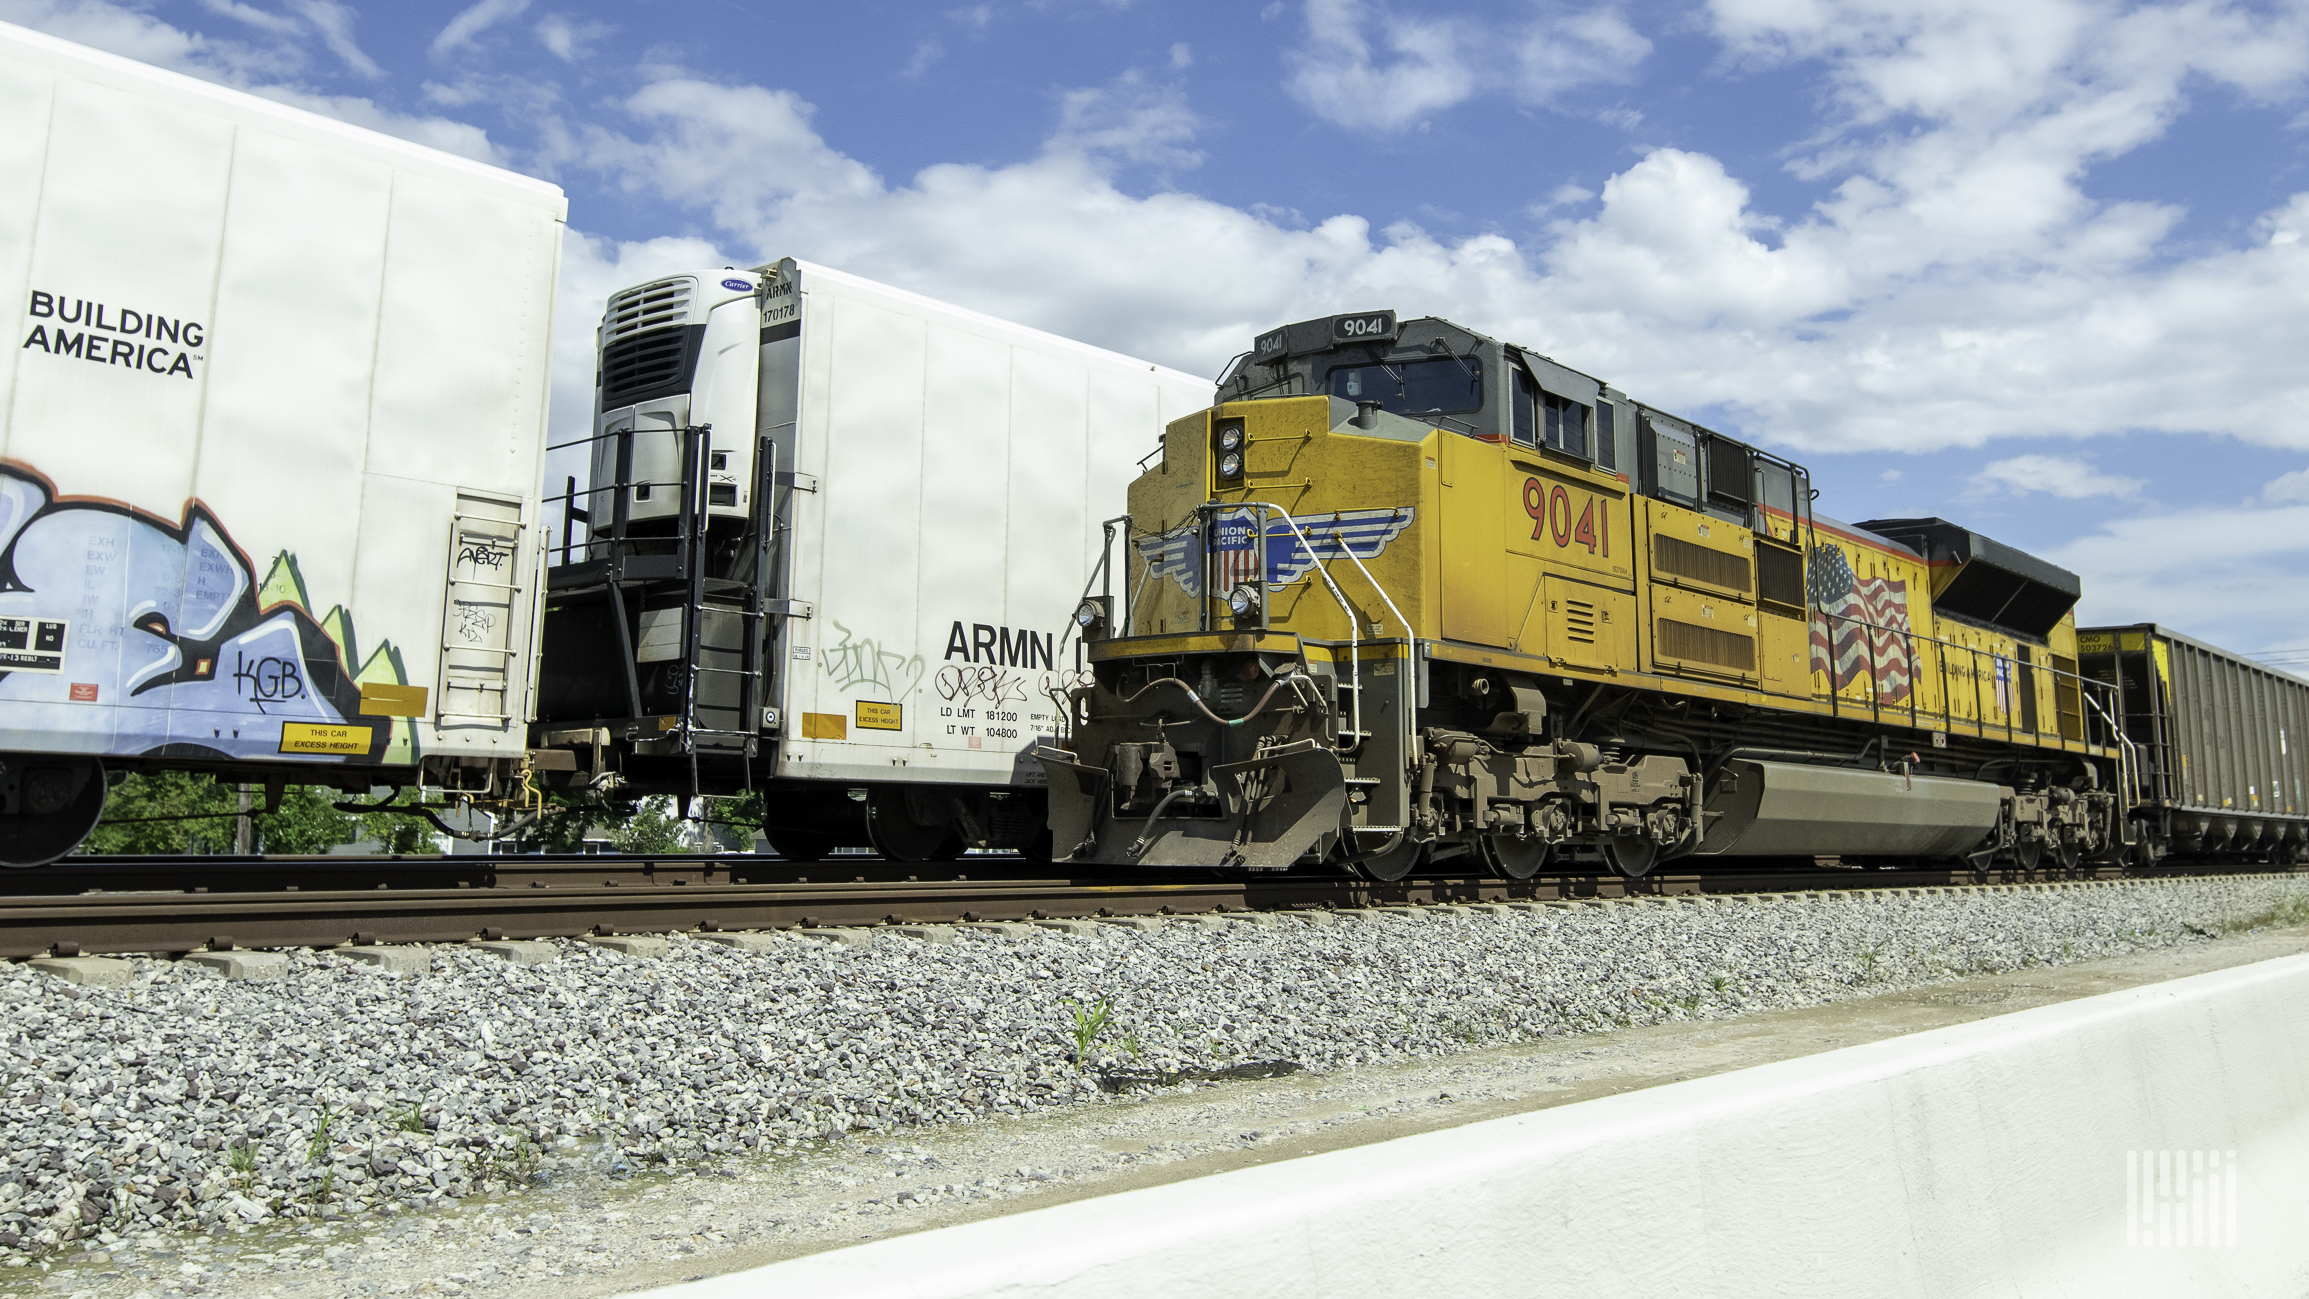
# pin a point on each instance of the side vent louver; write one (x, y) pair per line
(1579, 621)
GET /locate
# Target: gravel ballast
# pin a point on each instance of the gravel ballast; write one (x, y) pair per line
(188, 1101)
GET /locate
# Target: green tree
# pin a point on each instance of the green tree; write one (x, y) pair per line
(177, 813)
(307, 822)
(400, 832)
(143, 814)
(656, 826)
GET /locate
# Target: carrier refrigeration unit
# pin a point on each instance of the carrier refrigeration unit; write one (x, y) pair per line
(826, 546)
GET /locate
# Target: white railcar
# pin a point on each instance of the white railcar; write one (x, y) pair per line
(271, 429)
(837, 532)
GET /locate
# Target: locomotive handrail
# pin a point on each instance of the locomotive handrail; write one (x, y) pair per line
(1354, 626)
(2088, 689)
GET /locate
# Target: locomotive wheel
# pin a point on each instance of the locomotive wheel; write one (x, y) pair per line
(61, 800)
(1632, 855)
(798, 845)
(1515, 857)
(1394, 863)
(2026, 855)
(2065, 855)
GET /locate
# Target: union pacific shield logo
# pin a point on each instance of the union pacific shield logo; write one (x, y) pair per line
(1239, 554)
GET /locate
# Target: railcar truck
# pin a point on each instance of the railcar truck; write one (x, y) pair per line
(272, 414)
(824, 549)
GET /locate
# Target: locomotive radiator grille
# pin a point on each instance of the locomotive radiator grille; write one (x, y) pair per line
(1695, 644)
(1676, 557)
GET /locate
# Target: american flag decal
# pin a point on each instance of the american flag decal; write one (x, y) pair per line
(1235, 548)
(1239, 554)
(1855, 616)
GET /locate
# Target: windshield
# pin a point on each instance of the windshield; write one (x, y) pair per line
(1439, 386)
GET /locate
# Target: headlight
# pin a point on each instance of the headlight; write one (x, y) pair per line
(1244, 600)
(1089, 614)
(1230, 438)
(1231, 465)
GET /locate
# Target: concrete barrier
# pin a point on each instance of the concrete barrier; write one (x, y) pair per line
(2000, 1157)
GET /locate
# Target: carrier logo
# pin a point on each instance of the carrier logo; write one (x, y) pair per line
(140, 340)
(1239, 554)
(739, 286)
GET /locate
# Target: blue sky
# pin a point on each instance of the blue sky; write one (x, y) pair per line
(2036, 267)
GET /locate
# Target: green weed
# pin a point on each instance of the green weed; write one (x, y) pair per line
(1089, 1023)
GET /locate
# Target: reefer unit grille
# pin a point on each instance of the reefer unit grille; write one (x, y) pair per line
(647, 343)
(652, 306)
(643, 364)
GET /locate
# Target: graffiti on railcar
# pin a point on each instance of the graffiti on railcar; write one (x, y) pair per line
(166, 629)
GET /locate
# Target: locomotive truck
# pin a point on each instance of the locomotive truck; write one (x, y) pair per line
(1407, 594)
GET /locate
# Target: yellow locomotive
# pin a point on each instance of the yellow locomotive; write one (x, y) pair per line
(1408, 593)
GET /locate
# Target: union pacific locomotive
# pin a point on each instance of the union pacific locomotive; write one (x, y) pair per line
(1408, 593)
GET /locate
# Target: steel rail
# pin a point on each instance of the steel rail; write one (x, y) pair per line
(579, 903)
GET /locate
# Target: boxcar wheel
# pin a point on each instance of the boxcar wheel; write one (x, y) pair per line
(899, 837)
(60, 801)
(1516, 857)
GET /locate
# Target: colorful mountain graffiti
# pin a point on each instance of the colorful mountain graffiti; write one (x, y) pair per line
(142, 637)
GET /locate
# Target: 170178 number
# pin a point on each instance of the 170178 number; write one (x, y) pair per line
(1552, 517)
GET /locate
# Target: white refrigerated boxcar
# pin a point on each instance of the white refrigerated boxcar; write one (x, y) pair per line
(837, 534)
(271, 431)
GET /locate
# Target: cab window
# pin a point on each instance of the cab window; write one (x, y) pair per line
(1544, 417)
(1442, 386)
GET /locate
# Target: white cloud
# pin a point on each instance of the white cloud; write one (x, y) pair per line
(1182, 56)
(473, 21)
(1128, 119)
(1336, 78)
(2286, 488)
(926, 53)
(334, 22)
(2062, 476)
(1563, 52)
(262, 19)
(568, 40)
(2230, 576)
(267, 70)
(1432, 64)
